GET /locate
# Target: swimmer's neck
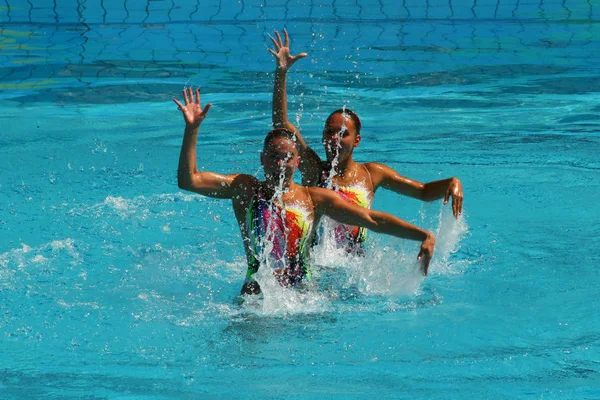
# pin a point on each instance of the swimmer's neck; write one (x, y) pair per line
(345, 167)
(275, 185)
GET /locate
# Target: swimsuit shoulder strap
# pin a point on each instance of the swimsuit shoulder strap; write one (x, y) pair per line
(309, 199)
(369, 175)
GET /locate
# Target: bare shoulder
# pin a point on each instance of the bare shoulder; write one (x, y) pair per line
(375, 167)
(378, 172)
(245, 179)
(244, 185)
(386, 177)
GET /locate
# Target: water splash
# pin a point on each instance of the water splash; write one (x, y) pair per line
(390, 266)
(336, 159)
(449, 232)
(279, 300)
(383, 270)
(26, 256)
(272, 255)
(276, 232)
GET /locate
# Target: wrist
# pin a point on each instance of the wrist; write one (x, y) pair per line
(192, 129)
(426, 236)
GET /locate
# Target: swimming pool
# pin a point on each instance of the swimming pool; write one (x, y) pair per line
(115, 284)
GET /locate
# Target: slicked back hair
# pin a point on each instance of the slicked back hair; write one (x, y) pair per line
(279, 133)
(348, 113)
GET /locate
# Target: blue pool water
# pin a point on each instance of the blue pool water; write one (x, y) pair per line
(115, 284)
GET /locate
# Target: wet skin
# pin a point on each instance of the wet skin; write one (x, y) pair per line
(280, 159)
(342, 128)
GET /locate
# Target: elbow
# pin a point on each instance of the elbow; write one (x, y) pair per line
(183, 182)
(425, 194)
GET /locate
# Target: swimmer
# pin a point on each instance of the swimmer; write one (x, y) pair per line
(277, 211)
(353, 181)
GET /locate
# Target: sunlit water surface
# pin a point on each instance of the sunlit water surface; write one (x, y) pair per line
(115, 284)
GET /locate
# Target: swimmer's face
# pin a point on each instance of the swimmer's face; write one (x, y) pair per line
(339, 137)
(280, 156)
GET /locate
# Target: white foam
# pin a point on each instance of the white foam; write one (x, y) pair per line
(136, 206)
(92, 304)
(387, 272)
(393, 268)
(27, 261)
(276, 300)
(283, 301)
(449, 232)
(32, 255)
(38, 258)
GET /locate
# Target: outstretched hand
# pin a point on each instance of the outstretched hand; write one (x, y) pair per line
(455, 190)
(192, 112)
(283, 58)
(426, 252)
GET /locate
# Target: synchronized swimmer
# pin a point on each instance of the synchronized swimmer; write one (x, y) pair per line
(352, 181)
(277, 217)
(277, 210)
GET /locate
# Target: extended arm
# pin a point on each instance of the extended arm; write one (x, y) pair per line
(310, 163)
(188, 178)
(387, 178)
(329, 203)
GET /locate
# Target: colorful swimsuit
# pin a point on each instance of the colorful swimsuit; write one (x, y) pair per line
(348, 236)
(278, 239)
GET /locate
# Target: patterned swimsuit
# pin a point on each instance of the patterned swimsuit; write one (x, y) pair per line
(348, 237)
(279, 239)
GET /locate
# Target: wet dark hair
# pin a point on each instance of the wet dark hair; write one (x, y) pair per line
(279, 133)
(353, 116)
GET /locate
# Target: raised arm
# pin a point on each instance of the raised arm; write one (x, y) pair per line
(310, 163)
(188, 178)
(329, 203)
(384, 176)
